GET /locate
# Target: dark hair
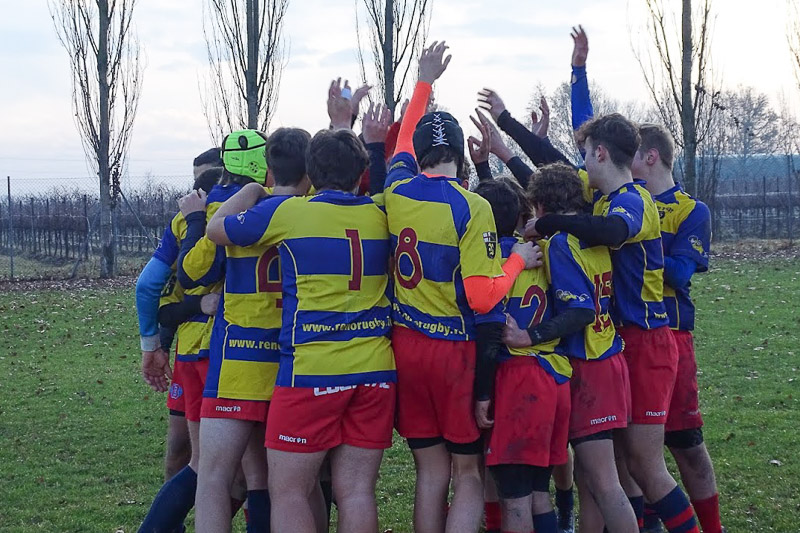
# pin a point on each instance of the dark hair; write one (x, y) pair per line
(558, 189)
(286, 155)
(208, 178)
(619, 135)
(229, 178)
(209, 157)
(335, 159)
(655, 136)
(442, 154)
(504, 202)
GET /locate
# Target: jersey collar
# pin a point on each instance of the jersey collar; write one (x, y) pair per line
(442, 178)
(668, 196)
(639, 182)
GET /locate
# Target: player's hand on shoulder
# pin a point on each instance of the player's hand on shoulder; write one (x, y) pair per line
(491, 102)
(482, 414)
(530, 253)
(513, 336)
(209, 303)
(193, 202)
(433, 62)
(531, 234)
(156, 371)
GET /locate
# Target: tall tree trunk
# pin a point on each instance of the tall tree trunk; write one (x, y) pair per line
(687, 106)
(388, 49)
(104, 133)
(251, 76)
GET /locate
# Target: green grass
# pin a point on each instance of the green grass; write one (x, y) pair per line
(82, 438)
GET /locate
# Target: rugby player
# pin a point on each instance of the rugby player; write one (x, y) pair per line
(686, 238)
(335, 391)
(447, 266)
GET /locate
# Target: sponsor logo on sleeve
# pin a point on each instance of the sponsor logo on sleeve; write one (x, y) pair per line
(240, 217)
(697, 244)
(622, 210)
(490, 240)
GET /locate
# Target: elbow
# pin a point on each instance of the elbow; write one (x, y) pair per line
(481, 307)
(185, 280)
(216, 232)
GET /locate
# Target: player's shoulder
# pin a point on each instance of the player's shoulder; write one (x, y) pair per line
(221, 193)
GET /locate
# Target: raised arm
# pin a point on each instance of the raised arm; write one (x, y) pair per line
(580, 100)
(374, 129)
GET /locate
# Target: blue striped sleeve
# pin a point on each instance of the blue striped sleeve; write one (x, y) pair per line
(148, 292)
(250, 227)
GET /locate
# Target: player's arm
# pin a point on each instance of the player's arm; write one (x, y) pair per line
(487, 345)
(498, 147)
(240, 202)
(265, 223)
(479, 150)
(374, 129)
(594, 230)
(689, 250)
(580, 99)
(200, 262)
(537, 149)
(175, 314)
(148, 292)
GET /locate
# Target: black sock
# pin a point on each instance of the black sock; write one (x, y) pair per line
(565, 501)
(258, 509)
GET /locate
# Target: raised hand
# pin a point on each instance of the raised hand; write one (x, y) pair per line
(479, 149)
(355, 100)
(375, 124)
(338, 106)
(491, 102)
(541, 125)
(192, 202)
(433, 63)
(580, 46)
(498, 146)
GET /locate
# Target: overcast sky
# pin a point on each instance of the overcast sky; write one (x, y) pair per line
(509, 45)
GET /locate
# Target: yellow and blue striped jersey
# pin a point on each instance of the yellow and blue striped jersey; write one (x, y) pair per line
(530, 303)
(334, 259)
(441, 233)
(580, 277)
(638, 271)
(192, 335)
(685, 231)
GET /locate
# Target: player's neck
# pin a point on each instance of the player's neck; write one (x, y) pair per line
(285, 190)
(659, 182)
(615, 179)
(442, 169)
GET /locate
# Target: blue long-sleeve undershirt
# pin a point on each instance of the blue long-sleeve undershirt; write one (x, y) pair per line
(678, 271)
(148, 292)
(580, 100)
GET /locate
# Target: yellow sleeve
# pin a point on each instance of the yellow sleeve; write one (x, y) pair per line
(479, 246)
(200, 259)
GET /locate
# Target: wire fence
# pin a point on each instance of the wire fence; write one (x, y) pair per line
(49, 227)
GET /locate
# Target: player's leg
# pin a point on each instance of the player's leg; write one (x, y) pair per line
(467, 503)
(594, 462)
(491, 504)
(293, 478)
(222, 444)
(515, 488)
(589, 516)
(632, 490)
(432, 467)
(254, 467)
(179, 449)
(355, 474)
(563, 479)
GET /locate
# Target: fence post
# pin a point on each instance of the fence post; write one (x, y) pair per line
(764, 207)
(10, 227)
(86, 216)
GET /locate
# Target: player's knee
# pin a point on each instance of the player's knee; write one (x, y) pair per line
(684, 439)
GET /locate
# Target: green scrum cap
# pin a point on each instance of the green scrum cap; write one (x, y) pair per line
(244, 153)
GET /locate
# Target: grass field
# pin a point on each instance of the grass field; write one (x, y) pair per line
(82, 438)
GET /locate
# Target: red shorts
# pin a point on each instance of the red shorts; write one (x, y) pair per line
(250, 410)
(652, 366)
(193, 375)
(175, 399)
(601, 396)
(531, 415)
(434, 387)
(684, 408)
(308, 420)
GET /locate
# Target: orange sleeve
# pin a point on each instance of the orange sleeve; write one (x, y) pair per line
(483, 292)
(415, 111)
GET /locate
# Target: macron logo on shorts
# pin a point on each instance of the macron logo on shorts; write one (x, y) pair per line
(294, 440)
(603, 420)
(228, 408)
(655, 413)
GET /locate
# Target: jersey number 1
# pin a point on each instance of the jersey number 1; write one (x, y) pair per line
(357, 255)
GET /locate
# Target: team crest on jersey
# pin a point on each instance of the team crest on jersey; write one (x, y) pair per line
(697, 244)
(490, 240)
(240, 217)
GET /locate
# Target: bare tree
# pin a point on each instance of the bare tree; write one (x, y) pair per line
(246, 56)
(396, 31)
(106, 67)
(678, 75)
(793, 36)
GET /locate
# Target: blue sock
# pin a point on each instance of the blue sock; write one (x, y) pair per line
(565, 501)
(258, 507)
(172, 503)
(637, 502)
(545, 523)
(676, 512)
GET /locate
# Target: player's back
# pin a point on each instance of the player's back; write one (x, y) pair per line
(638, 264)
(685, 231)
(441, 233)
(581, 276)
(334, 257)
(529, 302)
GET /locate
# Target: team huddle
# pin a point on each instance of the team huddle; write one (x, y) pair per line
(322, 292)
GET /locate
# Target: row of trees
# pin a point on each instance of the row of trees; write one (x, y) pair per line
(247, 54)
